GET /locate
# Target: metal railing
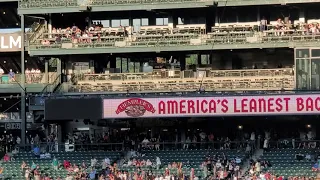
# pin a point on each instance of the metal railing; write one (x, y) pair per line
(55, 80)
(212, 39)
(171, 74)
(14, 116)
(121, 146)
(69, 147)
(36, 32)
(75, 3)
(205, 145)
(35, 78)
(174, 80)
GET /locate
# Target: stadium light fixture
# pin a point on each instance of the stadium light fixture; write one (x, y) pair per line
(308, 125)
(240, 127)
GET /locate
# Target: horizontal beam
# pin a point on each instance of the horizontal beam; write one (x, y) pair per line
(138, 49)
(117, 7)
(128, 5)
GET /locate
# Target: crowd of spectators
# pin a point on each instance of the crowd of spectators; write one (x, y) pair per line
(214, 166)
(32, 76)
(95, 31)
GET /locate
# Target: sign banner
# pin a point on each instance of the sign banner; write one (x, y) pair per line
(211, 106)
(70, 108)
(12, 126)
(10, 42)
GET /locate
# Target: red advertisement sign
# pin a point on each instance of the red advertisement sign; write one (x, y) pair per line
(211, 106)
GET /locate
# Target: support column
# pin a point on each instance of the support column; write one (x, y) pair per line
(46, 69)
(172, 22)
(59, 69)
(258, 15)
(302, 16)
(23, 89)
(210, 18)
(59, 137)
(211, 59)
(113, 63)
(50, 26)
(131, 28)
(152, 20)
(130, 21)
(182, 59)
(199, 59)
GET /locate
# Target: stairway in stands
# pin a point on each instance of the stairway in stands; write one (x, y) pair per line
(35, 32)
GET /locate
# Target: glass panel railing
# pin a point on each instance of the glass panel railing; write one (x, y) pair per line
(175, 80)
(57, 41)
(35, 78)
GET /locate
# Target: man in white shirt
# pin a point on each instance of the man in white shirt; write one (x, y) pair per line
(148, 163)
(107, 161)
(218, 164)
(145, 143)
(93, 162)
(158, 163)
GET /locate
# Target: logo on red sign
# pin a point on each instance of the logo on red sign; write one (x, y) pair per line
(135, 107)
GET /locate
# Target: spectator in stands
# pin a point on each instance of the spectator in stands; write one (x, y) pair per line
(145, 143)
(6, 157)
(28, 75)
(258, 167)
(11, 75)
(84, 166)
(66, 164)
(23, 167)
(93, 162)
(33, 166)
(27, 174)
(1, 173)
(18, 141)
(107, 161)
(92, 174)
(32, 143)
(158, 163)
(36, 173)
(186, 144)
(308, 157)
(55, 163)
(69, 177)
(263, 24)
(315, 167)
(266, 144)
(36, 151)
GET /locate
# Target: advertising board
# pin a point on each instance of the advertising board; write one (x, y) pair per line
(211, 106)
(10, 42)
(69, 109)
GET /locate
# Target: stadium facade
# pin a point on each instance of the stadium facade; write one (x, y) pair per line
(218, 46)
(104, 59)
(160, 65)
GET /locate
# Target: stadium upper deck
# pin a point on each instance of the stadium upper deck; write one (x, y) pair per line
(63, 6)
(207, 29)
(210, 28)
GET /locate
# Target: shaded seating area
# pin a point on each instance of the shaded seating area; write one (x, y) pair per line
(192, 158)
(284, 162)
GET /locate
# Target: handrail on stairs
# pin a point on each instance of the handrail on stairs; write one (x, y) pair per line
(55, 83)
(33, 31)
